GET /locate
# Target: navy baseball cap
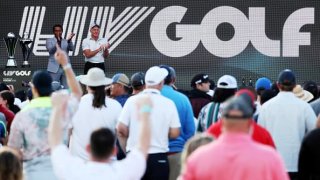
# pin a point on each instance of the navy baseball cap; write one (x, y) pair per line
(42, 81)
(137, 79)
(171, 73)
(287, 78)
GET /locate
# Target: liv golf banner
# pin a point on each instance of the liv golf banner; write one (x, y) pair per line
(246, 39)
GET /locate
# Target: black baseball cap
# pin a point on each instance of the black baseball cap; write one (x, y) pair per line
(240, 103)
(42, 81)
(137, 79)
(199, 78)
(287, 78)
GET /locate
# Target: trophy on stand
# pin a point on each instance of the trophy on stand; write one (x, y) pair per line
(26, 49)
(11, 42)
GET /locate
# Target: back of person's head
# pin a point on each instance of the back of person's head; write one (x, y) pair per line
(96, 81)
(286, 80)
(42, 82)
(262, 84)
(102, 142)
(193, 144)
(137, 81)
(237, 113)
(312, 87)
(9, 98)
(267, 95)
(171, 77)
(226, 88)
(155, 77)
(10, 165)
(99, 96)
(3, 87)
(21, 94)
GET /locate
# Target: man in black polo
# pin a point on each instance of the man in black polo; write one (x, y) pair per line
(198, 95)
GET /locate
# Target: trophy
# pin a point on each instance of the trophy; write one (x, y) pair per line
(11, 42)
(26, 49)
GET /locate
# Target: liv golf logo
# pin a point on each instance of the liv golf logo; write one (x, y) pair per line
(247, 30)
(116, 29)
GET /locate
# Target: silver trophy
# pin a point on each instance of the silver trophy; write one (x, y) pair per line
(26, 49)
(11, 42)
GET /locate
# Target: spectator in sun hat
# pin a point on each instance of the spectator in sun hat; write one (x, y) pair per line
(137, 83)
(209, 114)
(302, 94)
(312, 87)
(95, 109)
(235, 148)
(120, 88)
(164, 121)
(187, 130)
(198, 95)
(101, 147)
(288, 119)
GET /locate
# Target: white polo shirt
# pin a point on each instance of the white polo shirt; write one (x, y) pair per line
(288, 119)
(87, 119)
(163, 117)
(68, 167)
(90, 43)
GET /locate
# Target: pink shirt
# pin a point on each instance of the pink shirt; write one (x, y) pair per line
(235, 156)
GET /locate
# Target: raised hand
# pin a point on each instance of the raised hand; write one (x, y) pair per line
(70, 36)
(61, 56)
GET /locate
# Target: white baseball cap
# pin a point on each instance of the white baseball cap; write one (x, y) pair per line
(155, 75)
(227, 82)
(95, 77)
(94, 24)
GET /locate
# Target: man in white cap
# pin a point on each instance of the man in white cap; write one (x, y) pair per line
(165, 124)
(95, 49)
(211, 113)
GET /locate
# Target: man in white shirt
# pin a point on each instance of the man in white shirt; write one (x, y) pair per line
(288, 119)
(165, 124)
(95, 49)
(101, 148)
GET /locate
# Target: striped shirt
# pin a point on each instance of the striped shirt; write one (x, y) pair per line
(208, 115)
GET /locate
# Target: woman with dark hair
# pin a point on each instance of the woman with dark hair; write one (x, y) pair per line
(209, 114)
(7, 100)
(95, 111)
(10, 164)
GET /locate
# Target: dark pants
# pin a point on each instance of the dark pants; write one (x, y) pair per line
(89, 65)
(293, 175)
(120, 154)
(157, 167)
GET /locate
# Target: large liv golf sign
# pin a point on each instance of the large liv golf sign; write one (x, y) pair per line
(240, 38)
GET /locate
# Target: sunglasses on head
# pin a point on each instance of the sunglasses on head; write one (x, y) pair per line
(227, 116)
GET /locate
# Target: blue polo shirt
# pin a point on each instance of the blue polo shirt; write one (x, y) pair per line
(184, 108)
